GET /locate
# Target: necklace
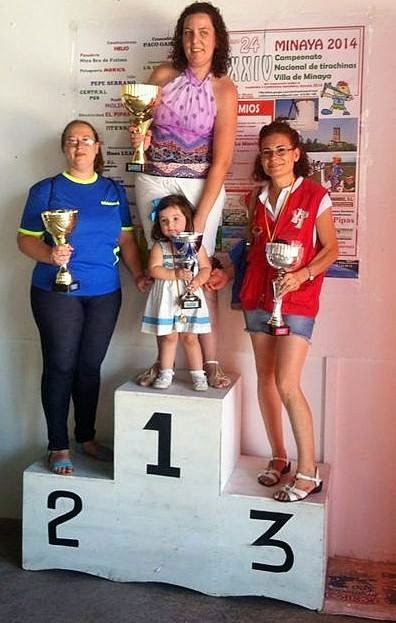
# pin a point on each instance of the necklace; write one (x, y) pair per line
(271, 235)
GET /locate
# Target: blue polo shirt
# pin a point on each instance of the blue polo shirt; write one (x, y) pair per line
(102, 214)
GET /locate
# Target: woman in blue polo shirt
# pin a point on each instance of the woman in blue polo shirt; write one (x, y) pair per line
(76, 326)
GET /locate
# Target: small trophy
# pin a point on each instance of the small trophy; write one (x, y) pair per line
(281, 255)
(60, 223)
(186, 246)
(139, 100)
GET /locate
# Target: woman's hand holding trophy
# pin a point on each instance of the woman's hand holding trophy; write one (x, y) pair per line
(283, 256)
(186, 246)
(139, 100)
(59, 224)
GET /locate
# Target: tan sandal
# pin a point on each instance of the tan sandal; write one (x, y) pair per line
(271, 476)
(216, 377)
(147, 377)
(290, 493)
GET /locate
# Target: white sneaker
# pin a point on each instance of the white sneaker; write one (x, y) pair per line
(163, 380)
(200, 385)
(199, 381)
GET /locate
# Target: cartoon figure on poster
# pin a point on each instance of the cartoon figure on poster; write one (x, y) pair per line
(339, 94)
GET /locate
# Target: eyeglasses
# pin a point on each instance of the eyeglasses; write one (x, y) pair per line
(74, 142)
(280, 152)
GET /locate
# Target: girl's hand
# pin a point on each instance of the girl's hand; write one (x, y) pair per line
(183, 273)
(217, 280)
(193, 285)
(61, 254)
(137, 137)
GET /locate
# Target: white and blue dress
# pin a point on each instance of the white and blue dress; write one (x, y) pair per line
(163, 314)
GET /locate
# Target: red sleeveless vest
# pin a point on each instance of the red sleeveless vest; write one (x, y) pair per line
(296, 222)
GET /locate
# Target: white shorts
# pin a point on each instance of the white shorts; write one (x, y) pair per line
(149, 187)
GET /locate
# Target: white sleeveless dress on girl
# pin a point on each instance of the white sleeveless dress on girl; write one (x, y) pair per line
(163, 314)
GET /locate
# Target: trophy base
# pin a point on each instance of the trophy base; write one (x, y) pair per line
(279, 331)
(66, 287)
(134, 167)
(190, 303)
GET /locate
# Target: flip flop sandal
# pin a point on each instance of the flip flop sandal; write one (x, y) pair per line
(57, 465)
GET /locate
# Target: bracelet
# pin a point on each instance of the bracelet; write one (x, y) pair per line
(311, 277)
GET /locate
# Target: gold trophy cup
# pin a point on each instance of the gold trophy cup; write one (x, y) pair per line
(139, 100)
(59, 224)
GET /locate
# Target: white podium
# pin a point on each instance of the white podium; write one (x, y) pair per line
(182, 506)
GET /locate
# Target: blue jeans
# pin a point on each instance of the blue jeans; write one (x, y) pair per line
(75, 333)
(256, 321)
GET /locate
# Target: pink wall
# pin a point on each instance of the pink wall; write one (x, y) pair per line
(362, 452)
(350, 377)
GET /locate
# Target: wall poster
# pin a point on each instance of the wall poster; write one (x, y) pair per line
(310, 76)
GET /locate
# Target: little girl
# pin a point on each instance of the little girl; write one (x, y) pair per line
(163, 314)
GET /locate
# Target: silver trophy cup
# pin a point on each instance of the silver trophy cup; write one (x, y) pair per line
(186, 246)
(284, 256)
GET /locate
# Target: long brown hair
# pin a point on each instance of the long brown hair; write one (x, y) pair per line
(98, 162)
(220, 60)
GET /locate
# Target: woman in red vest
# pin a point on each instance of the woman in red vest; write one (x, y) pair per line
(288, 208)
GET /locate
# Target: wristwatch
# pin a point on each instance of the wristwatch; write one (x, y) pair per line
(311, 277)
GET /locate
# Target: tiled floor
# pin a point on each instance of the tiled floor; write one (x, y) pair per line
(361, 588)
